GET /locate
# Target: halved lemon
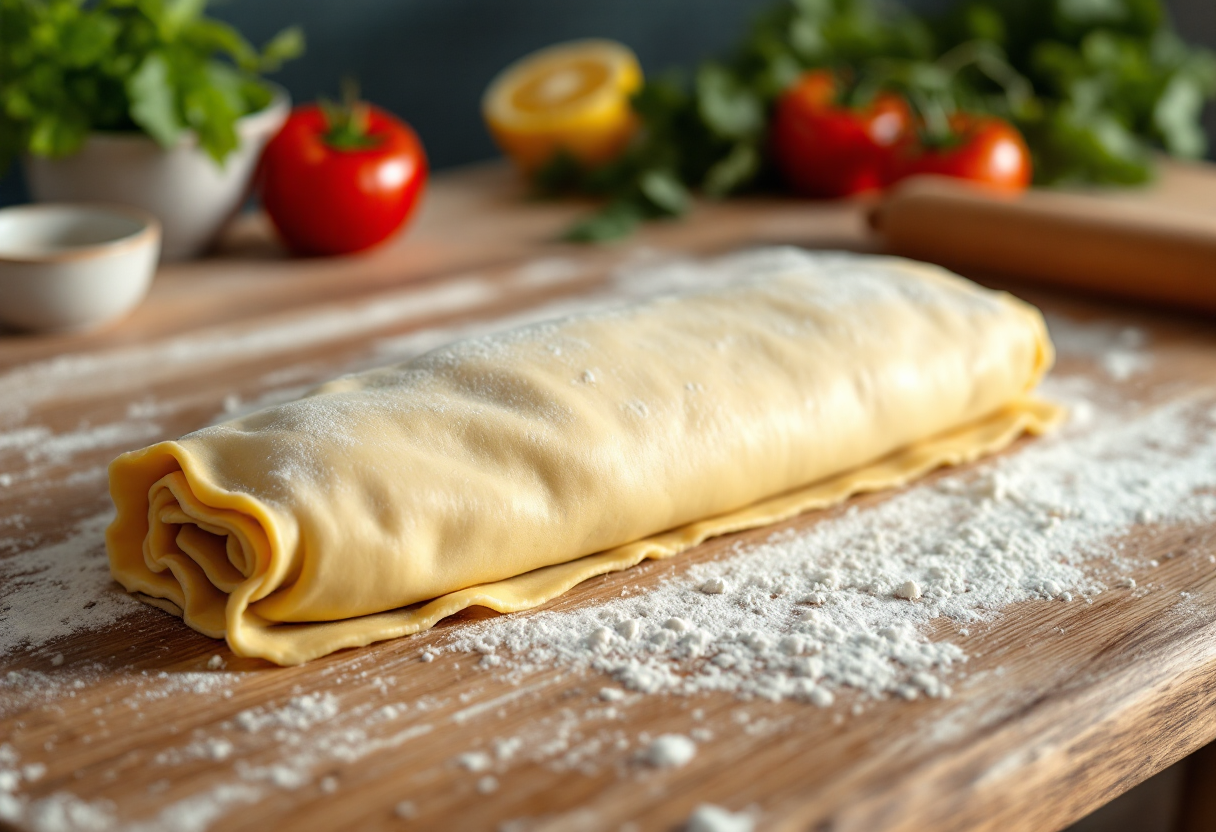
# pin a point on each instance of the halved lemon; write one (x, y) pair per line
(573, 96)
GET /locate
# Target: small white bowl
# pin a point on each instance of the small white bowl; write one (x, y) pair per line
(71, 267)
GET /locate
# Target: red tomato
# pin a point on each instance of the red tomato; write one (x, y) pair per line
(329, 197)
(830, 150)
(985, 149)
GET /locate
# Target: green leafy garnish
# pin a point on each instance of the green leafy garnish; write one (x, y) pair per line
(1095, 86)
(68, 68)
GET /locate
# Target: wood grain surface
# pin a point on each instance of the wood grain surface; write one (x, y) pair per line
(1061, 707)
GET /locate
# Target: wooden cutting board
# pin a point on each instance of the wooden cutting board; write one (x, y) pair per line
(1064, 706)
(1156, 243)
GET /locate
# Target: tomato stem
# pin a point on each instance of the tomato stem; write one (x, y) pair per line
(346, 124)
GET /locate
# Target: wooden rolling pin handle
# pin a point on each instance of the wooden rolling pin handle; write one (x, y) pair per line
(1071, 240)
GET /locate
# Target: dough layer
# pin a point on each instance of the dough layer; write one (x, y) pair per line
(502, 471)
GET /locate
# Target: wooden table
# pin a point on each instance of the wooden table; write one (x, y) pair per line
(1060, 730)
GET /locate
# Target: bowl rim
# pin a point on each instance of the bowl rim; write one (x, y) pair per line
(148, 233)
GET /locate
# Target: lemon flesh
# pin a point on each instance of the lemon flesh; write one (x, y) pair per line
(572, 97)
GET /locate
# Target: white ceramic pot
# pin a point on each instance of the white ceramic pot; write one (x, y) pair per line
(73, 267)
(183, 187)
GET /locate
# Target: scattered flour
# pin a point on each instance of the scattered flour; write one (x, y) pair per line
(549, 271)
(61, 448)
(235, 408)
(63, 812)
(474, 761)
(42, 450)
(40, 444)
(653, 273)
(209, 748)
(809, 612)
(671, 751)
(49, 590)
(53, 590)
(93, 373)
(1121, 352)
(299, 714)
(710, 818)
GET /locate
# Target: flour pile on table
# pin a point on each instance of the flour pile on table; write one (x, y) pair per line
(849, 602)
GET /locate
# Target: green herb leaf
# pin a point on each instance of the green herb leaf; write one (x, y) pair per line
(284, 46)
(664, 191)
(732, 172)
(231, 84)
(1073, 147)
(86, 38)
(209, 112)
(213, 37)
(985, 23)
(1091, 12)
(1176, 117)
(728, 108)
(153, 105)
(178, 14)
(616, 220)
(57, 135)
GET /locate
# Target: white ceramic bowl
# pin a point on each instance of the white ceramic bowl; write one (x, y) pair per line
(72, 267)
(183, 187)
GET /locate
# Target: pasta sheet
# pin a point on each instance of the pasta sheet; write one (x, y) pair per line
(501, 471)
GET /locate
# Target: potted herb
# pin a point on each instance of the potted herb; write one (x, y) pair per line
(143, 102)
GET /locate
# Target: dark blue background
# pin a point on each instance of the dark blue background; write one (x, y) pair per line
(429, 60)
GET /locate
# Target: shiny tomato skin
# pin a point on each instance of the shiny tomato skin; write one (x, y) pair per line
(824, 149)
(326, 200)
(987, 150)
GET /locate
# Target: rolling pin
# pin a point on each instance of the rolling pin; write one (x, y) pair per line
(1135, 245)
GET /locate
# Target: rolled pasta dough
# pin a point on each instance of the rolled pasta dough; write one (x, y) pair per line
(501, 471)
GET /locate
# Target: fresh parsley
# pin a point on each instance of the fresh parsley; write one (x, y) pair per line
(68, 68)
